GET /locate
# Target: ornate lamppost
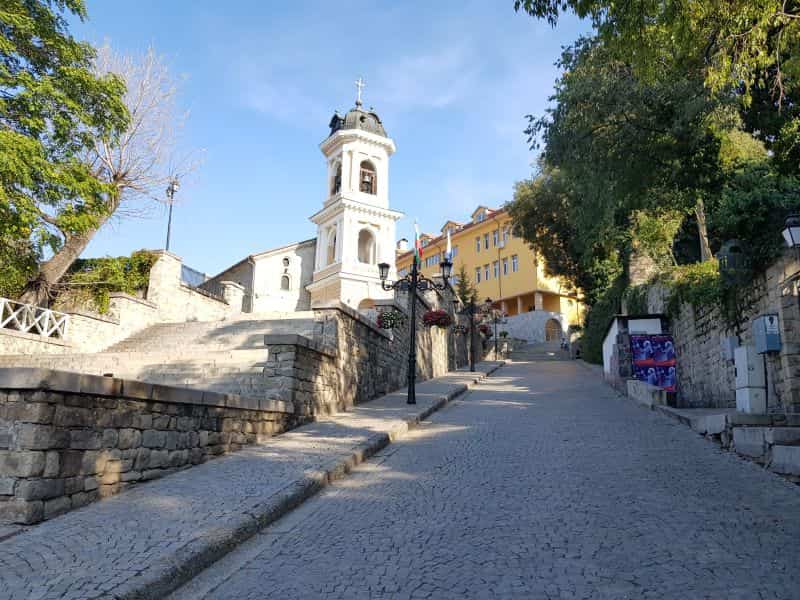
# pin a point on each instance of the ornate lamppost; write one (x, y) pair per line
(412, 283)
(497, 317)
(470, 310)
(172, 188)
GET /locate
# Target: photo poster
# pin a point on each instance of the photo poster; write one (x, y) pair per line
(654, 360)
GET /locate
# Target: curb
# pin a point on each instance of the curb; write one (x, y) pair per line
(187, 562)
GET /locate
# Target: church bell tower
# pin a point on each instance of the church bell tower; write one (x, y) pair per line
(355, 227)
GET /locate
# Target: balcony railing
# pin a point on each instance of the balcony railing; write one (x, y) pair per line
(32, 319)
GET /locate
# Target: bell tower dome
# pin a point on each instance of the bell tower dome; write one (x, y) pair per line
(355, 227)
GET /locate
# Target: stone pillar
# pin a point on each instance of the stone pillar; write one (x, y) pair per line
(234, 295)
(165, 277)
(538, 301)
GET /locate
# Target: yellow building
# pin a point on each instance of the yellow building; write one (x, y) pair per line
(500, 265)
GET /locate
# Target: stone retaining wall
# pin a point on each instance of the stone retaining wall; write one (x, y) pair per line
(68, 439)
(705, 378)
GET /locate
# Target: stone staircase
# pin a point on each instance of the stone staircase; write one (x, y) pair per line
(542, 351)
(226, 356)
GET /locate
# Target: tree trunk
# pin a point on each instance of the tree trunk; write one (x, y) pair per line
(39, 290)
(702, 230)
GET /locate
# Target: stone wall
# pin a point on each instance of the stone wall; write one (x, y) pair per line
(354, 361)
(705, 378)
(68, 439)
(530, 326)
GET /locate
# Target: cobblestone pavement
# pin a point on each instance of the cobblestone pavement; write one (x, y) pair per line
(540, 483)
(150, 538)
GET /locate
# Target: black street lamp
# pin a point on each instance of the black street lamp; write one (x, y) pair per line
(470, 309)
(496, 317)
(172, 188)
(412, 283)
(791, 232)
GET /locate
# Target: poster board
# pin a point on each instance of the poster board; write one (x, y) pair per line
(654, 360)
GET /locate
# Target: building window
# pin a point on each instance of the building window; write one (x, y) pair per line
(486, 272)
(336, 184)
(481, 216)
(368, 181)
(496, 269)
(455, 252)
(285, 282)
(285, 262)
(515, 263)
(477, 244)
(506, 232)
(478, 275)
(366, 247)
(486, 241)
(505, 266)
(331, 250)
(402, 272)
(495, 238)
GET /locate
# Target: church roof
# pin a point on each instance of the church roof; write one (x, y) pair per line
(358, 118)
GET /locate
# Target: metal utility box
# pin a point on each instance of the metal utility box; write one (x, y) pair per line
(767, 334)
(751, 400)
(749, 368)
(728, 346)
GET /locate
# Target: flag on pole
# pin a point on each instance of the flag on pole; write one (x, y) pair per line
(449, 251)
(417, 245)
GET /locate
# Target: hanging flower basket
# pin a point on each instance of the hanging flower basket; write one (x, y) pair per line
(460, 329)
(437, 318)
(391, 319)
(485, 330)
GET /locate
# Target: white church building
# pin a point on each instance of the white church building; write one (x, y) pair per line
(355, 229)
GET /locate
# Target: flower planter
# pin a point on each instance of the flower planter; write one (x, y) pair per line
(437, 318)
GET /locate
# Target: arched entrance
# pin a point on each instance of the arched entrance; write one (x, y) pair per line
(552, 331)
(366, 304)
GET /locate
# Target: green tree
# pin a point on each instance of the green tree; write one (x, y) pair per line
(465, 290)
(52, 109)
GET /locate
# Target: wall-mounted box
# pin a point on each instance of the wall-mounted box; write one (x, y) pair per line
(728, 345)
(749, 368)
(767, 334)
(752, 401)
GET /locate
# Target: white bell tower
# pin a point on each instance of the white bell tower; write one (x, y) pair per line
(356, 227)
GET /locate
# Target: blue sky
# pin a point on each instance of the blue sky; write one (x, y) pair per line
(452, 82)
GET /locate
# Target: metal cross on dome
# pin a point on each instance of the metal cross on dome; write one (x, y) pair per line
(360, 85)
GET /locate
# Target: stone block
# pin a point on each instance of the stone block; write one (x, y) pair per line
(30, 412)
(39, 489)
(73, 416)
(91, 484)
(97, 385)
(83, 498)
(22, 463)
(143, 421)
(783, 436)
(161, 422)
(152, 438)
(73, 485)
(130, 476)
(136, 389)
(94, 462)
(164, 393)
(21, 511)
(110, 438)
(171, 440)
(7, 486)
(158, 459)
(129, 438)
(749, 441)
(42, 437)
(57, 506)
(786, 460)
(85, 439)
(52, 464)
(710, 424)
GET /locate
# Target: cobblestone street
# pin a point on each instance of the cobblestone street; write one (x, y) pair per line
(541, 483)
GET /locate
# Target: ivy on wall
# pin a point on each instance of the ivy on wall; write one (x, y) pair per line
(90, 281)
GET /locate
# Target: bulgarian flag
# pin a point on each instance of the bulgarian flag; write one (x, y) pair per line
(417, 245)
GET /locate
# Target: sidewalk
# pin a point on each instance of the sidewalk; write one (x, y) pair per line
(148, 541)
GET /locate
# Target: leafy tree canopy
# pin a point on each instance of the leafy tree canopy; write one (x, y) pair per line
(52, 109)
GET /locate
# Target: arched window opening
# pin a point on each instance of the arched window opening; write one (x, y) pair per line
(285, 262)
(336, 183)
(331, 250)
(368, 181)
(285, 283)
(552, 330)
(366, 247)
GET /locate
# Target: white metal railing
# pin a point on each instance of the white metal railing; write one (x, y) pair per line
(32, 319)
